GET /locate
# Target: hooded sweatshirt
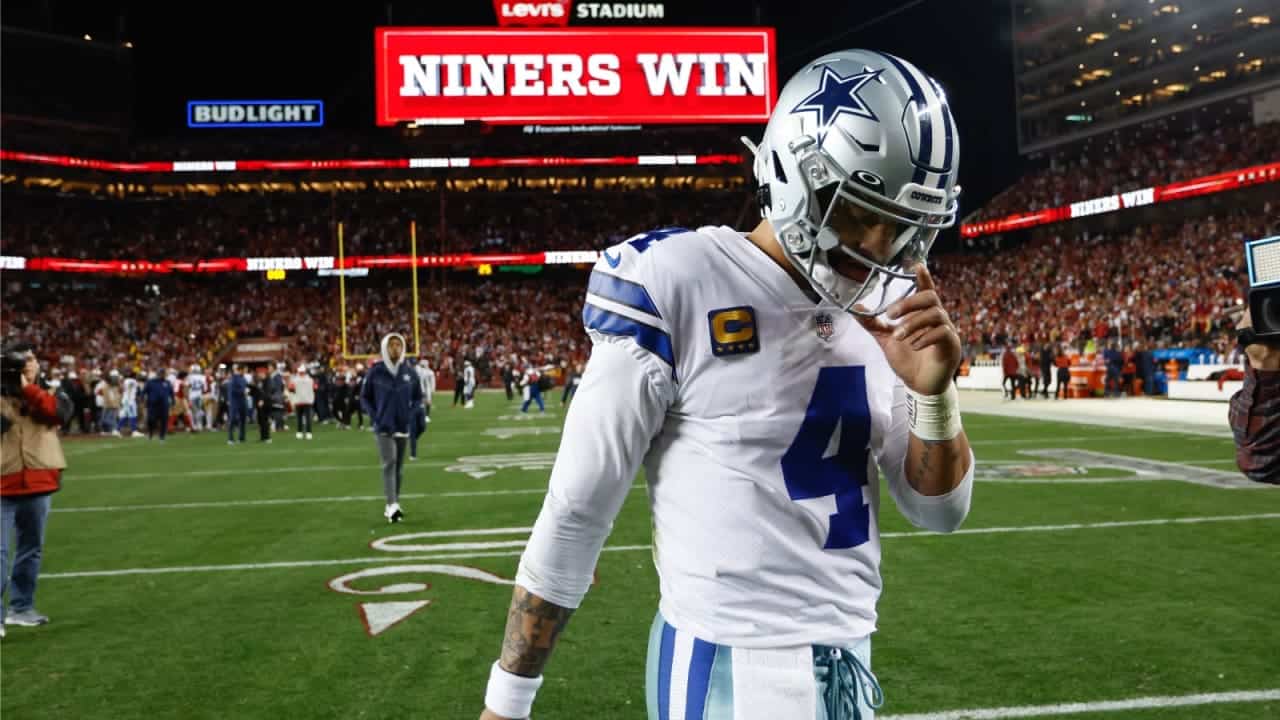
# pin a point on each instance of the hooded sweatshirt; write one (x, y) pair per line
(391, 391)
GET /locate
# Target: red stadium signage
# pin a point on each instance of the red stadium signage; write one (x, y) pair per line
(419, 163)
(575, 75)
(1206, 185)
(324, 265)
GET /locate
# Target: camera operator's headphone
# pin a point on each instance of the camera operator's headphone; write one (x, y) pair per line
(13, 358)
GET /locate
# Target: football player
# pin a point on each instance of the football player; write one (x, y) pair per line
(765, 380)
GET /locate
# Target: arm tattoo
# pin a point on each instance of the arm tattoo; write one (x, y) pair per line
(938, 463)
(533, 624)
(926, 466)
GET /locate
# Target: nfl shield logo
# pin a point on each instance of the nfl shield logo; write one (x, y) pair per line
(824, 325)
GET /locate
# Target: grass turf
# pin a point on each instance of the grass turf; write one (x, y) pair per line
(967, 621)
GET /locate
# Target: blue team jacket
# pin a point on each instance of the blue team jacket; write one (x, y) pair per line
(390, 398)
(158, 392)
(237, 386)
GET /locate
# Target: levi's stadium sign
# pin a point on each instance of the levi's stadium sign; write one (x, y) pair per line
(575, 75)
(513, 13)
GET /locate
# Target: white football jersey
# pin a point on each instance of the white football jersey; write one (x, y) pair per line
(427, 378)
(767, 417)
(129, 396)
(196, 386)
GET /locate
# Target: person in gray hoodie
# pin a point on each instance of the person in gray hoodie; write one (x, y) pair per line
(391, 394)
(302, 393)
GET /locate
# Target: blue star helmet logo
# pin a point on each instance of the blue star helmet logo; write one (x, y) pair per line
(836, 95)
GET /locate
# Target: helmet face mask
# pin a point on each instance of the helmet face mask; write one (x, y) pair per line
(859, 138)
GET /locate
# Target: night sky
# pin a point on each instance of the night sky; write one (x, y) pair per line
(293, 50)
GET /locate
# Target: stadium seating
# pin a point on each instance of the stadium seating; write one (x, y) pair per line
(1124, 161)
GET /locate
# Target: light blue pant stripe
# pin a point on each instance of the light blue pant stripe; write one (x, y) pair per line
(651, 668)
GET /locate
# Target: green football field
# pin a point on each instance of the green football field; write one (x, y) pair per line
(196, 580)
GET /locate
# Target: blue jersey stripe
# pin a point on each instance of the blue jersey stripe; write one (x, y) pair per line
(704, 655)
(648, 337)
(664, 671)
(621, 291)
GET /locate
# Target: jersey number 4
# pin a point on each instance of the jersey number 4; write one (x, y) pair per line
(829, 453)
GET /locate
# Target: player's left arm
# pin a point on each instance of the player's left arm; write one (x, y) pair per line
(924, 350)
(622, 402)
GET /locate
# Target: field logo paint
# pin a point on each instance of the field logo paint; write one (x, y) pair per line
(378, 617)
(1152, 469)
(1018, 471)
(482, 466)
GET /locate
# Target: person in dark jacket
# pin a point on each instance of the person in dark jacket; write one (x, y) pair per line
(341, 392)
(1254, 414)
(1046, 369)
(159, 396)
(357, 408)
(391, 394)
(276, 396)
(237, 403)
(260, 397)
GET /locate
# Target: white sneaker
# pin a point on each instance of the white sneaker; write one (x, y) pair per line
(299, 436)
(137, 434)
(116, 433)
(392, 513)
(308, 436)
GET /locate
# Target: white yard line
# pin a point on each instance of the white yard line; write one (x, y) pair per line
(1104, 423)
(298, 501)
(1142, 703)
(625, 548)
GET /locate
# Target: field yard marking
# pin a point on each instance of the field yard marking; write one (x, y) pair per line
(1127, 424)
(242, 472)
(291, 501)
(1071, 438)
(506, 433)
(627, 548)
(482, 466)
(1142, 703)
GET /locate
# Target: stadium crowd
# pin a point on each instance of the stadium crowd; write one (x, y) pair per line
(375, 223)
(1124, 161)
(171, 324)
(1164, 285)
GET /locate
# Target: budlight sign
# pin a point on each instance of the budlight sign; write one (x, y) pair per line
(255, 113)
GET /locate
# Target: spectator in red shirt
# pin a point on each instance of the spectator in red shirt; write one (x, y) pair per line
(1009, 363)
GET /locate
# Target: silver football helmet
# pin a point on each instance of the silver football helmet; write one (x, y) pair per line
(859, 131)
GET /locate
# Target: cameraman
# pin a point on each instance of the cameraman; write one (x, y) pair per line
(1255, 409)
(31, 463)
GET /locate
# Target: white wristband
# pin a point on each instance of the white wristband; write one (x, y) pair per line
(934, 417)
(510, 695)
